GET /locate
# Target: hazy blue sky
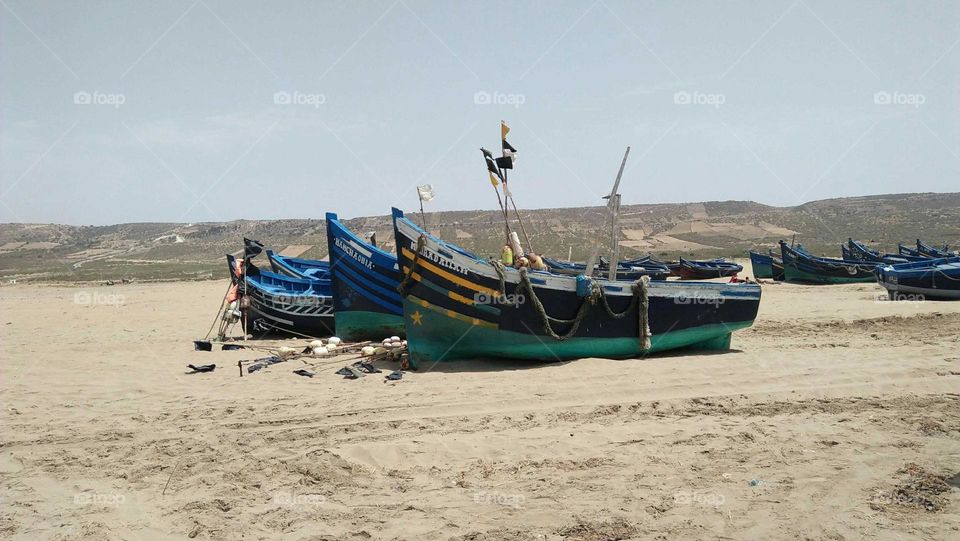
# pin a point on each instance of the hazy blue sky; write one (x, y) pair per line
(774, 101)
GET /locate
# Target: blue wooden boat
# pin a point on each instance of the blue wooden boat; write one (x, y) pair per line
(929, 251)
(459, 306)
(276, 304)
(762, 265)
(856, 250)
(921, 280)
(689, 269)
(800, 266)
(364, 281)
(295, 267)
(627, 270)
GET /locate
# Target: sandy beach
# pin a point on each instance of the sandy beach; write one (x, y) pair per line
(837, 416)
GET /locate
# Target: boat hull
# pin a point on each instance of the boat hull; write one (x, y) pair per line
(799, 266)
(364, 282)
(454, 310)
(762, 265)
(933, 279)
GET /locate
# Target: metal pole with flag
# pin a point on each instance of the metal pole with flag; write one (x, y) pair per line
(504, 163)
(425, 193)
(496, 177)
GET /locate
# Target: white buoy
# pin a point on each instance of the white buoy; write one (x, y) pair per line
(386, 342)
(394, 338)
(403, 344)
(316, 344)
(367, 351)
(286, 350)
(334, 340)
(321, 351)
(331, 347)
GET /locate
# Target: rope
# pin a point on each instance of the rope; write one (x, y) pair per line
(502, 273)
(545, 319)
(408, 277)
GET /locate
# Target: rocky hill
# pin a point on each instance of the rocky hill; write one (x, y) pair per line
(170, 251)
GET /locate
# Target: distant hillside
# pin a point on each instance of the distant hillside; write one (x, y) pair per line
(169, 251)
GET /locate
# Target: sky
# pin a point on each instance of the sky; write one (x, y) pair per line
(209, 110)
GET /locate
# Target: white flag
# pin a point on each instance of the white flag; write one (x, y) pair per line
(425, 192)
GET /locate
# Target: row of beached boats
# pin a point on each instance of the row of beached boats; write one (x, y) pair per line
(452, 304)
(925, 272)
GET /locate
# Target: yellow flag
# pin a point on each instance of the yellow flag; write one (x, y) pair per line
(504, 129)
(493, 179)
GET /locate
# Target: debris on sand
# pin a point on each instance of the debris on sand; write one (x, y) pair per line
(585, 530)
(920, 489)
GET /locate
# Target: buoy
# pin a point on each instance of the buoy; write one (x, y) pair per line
(331, 347)
(286, 350)
(394, 338)
(316, 344)
(367, 351)
(403, 344)
(334, 340)
(321, 351)
(387, 342)
(380, 351)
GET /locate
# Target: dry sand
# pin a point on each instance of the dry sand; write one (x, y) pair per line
(844, 409)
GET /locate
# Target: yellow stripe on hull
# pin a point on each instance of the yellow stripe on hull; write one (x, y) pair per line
(447, 275)
(451, 314)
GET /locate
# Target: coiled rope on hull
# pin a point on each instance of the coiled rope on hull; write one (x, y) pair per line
(640, 297)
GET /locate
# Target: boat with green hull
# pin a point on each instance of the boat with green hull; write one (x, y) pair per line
(458, 306)
(364, 280)
(800, 266)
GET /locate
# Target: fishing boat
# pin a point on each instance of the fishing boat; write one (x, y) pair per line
(929, 251)
(859, 251)
(762, 265)
(688, 269)
(364, 281)
(295, 267)
(459, 306)
(800, 266)
(276, 304)
(626, 270)
(921, 280)
(777, 265)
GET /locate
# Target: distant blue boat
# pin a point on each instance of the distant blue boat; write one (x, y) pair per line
(762, 265)
(278, 304)
(855, 250)
(364, 280)
(631, 269)
(921, 280)
(295, 267)
(689, 269)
